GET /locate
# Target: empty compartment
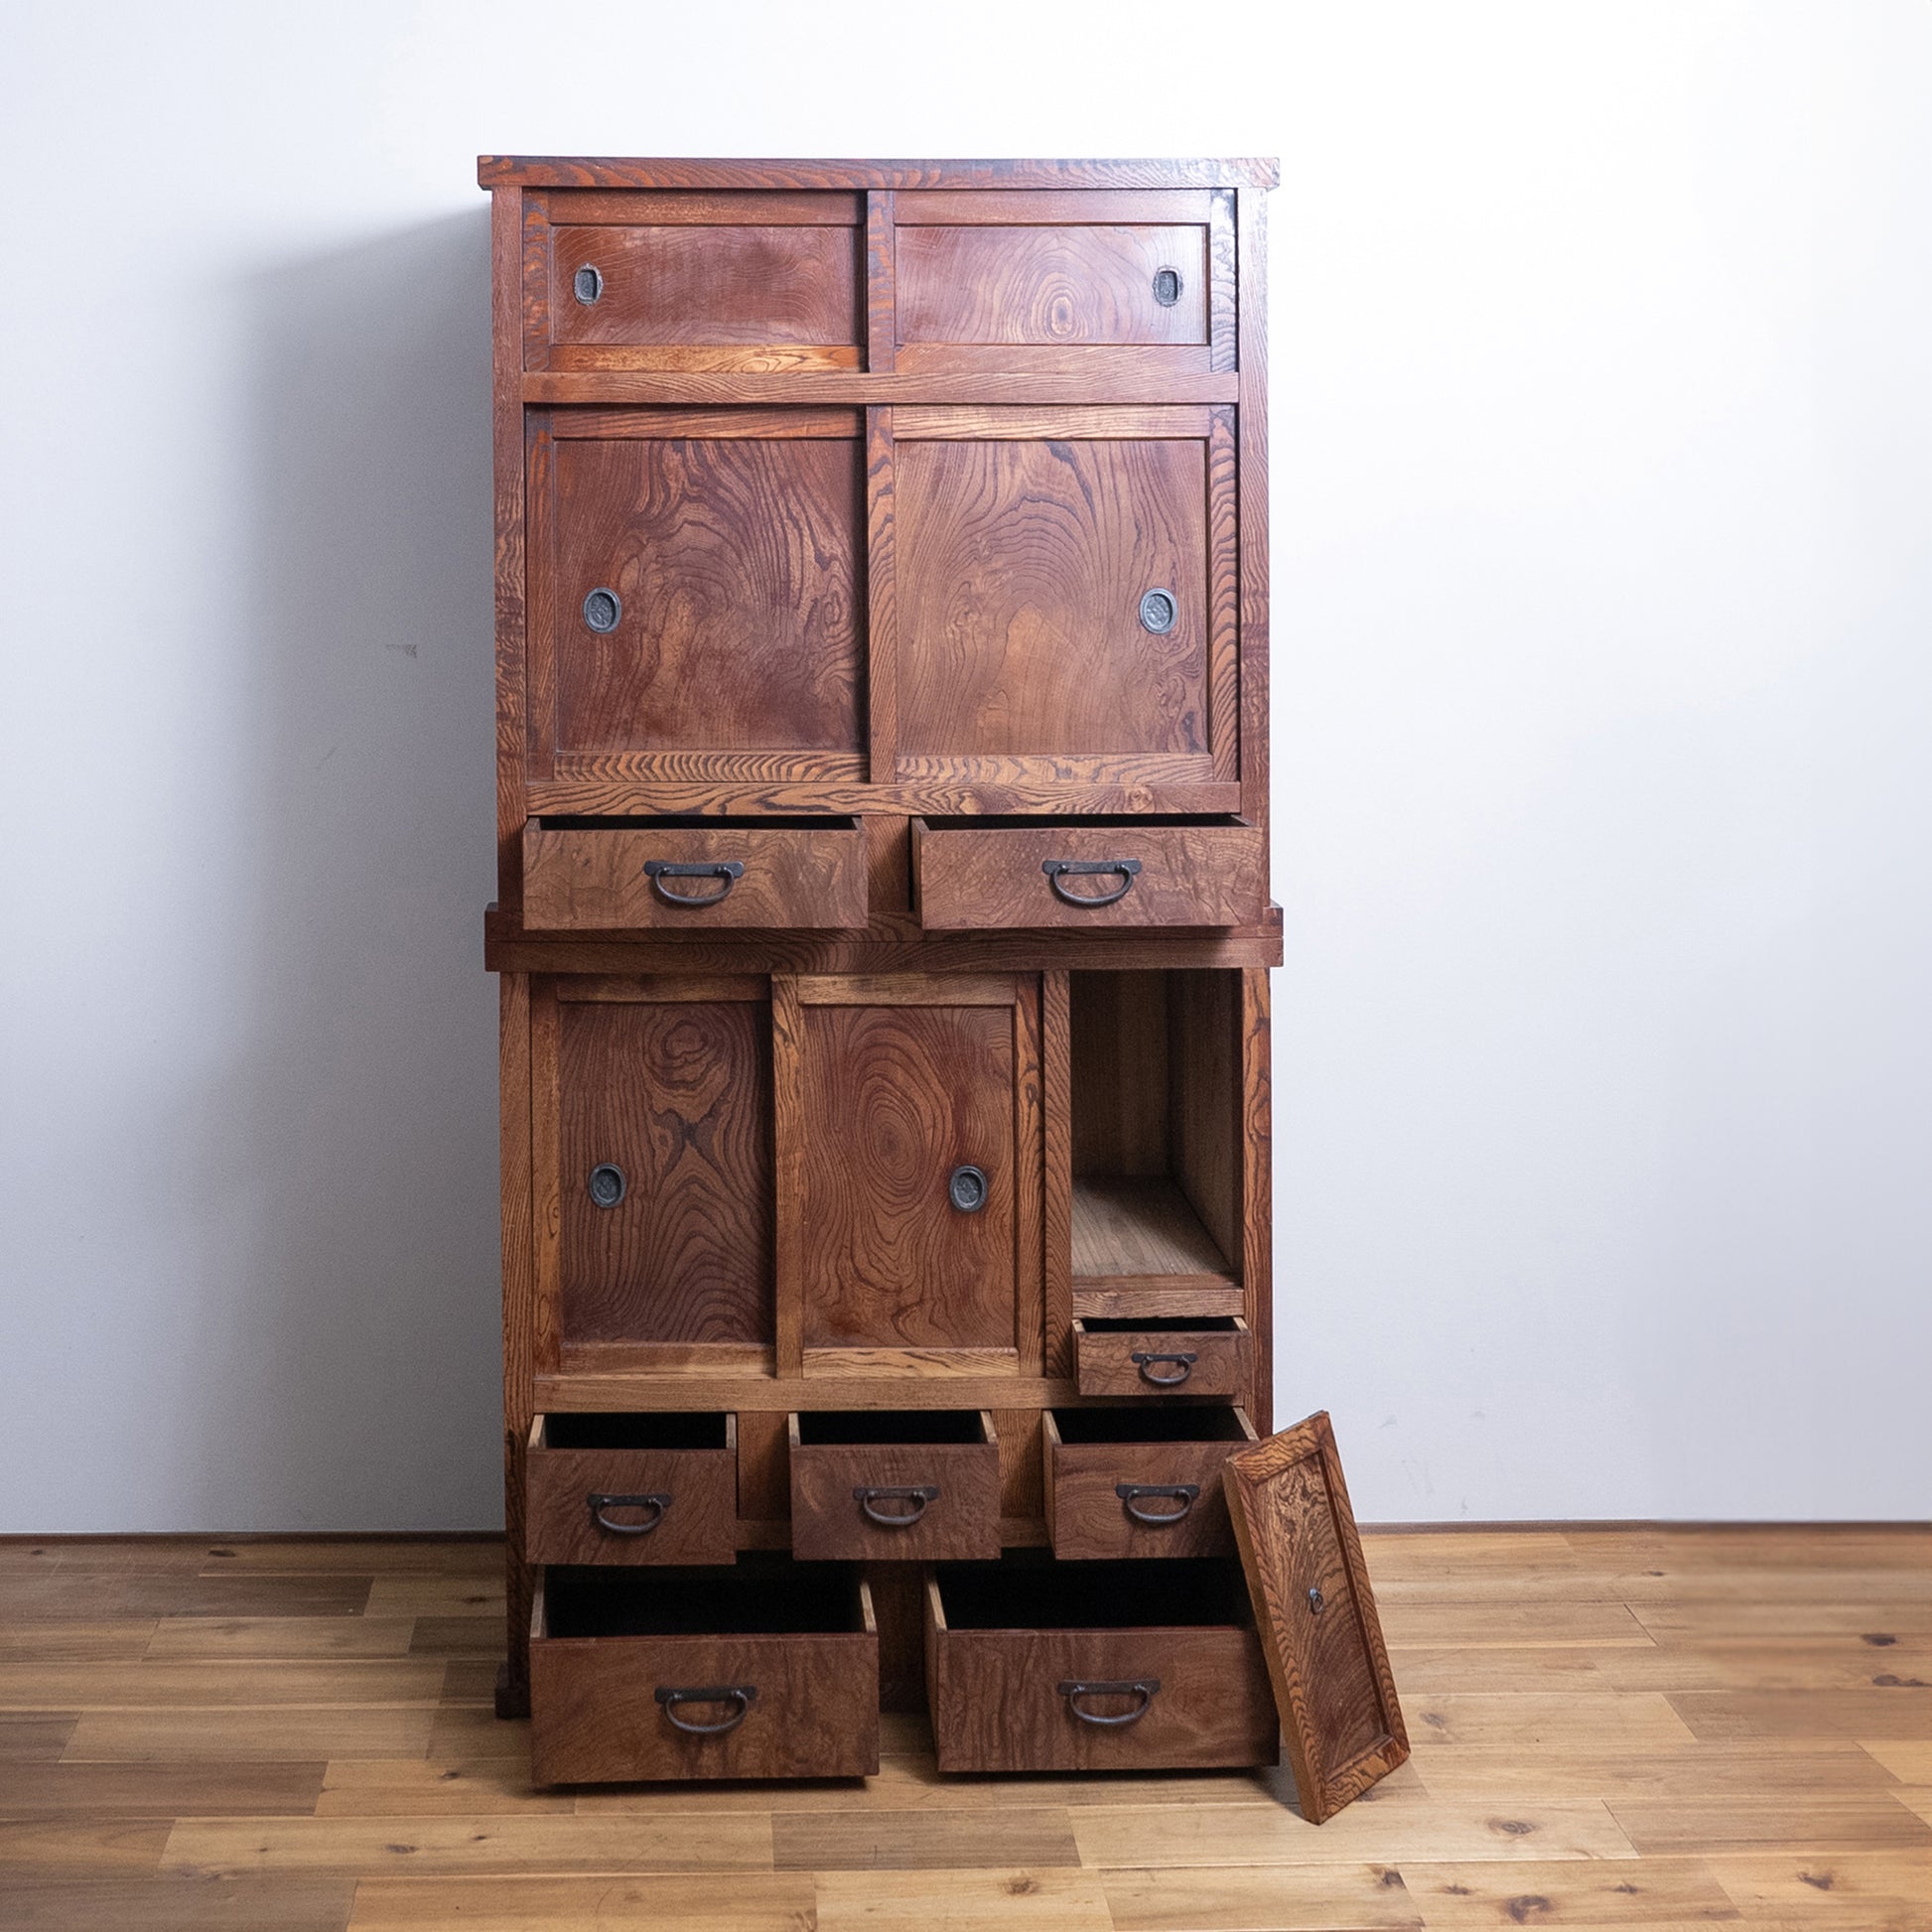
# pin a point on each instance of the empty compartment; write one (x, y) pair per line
(1163, 1354)
(1157, 1142)
(767, 1669)
(1042, 1667)
(1140, 1481)
(631, 1488)
(913, 1483)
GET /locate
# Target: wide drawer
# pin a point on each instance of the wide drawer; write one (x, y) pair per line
(916, 1483)
(1144, 1481)
(1190, 1354)
(1040, 1667)
(606, 1488)
(585, 875)
(1031, 873)
(762, 1671)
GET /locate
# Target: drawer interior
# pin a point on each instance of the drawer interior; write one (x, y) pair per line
(747, 1599)
(1143, 1423)
(674, 1431)
(838, 1427)
(1157, 1142)
(1127, 822)
(695, 822)
(1024, 1594)
(1161, 1324)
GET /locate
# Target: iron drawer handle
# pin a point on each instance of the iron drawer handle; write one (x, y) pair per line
(1058, 869)
(1130, 1494)
(1145, 1363)
(1143, 1687)
(919, 1494)
(737, 1695)
(659, 870)
(657, 1505)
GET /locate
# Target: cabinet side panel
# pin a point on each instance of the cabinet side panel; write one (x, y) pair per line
(519, 1322)
(1257, 1192)
(506, 421)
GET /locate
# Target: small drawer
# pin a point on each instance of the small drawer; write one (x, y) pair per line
(1180, 1354)
(1033, 874)
(1092, 1666)
(768, 1670)
(1144, 1481)
(590, 875)
(912, 1483)
(1057, 286)
(632, 1490)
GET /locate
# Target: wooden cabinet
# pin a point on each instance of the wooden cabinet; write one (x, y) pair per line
(883, 922)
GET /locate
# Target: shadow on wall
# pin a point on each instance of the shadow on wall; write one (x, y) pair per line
(359, 1143)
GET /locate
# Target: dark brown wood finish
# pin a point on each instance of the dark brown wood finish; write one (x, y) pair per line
(1169, 1460)
(883, 1486)
(1163, 1355)
(1317, 1612)
(573, 171)
(585, 1476)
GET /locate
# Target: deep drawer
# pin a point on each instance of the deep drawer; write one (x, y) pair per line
(1144, 1481)
(916, 1483)
(586, 876)
(1035, 873)
(765, 1671)
(1187, 1354)
(1040, 1667)
(632, 1490)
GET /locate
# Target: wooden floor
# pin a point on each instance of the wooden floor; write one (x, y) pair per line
(1611, 1728)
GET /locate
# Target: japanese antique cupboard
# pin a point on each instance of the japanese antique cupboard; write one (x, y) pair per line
(883, 939)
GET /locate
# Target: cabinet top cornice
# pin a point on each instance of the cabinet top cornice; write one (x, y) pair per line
(565, 171)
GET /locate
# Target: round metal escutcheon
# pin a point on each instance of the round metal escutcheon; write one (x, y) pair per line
(1167, 286)
(1316, 1602)
(603, 609)
(588, 284)
(1159, 609)
(608, 1185)
(967, 1189)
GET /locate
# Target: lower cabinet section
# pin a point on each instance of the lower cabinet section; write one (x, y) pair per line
(894, 1483)
(768, 1670)
(1035, 1667)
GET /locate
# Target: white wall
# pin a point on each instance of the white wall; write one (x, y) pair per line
(1603, 388)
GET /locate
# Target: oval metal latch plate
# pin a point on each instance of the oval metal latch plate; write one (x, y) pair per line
(1167, 286)
(1159, 609)
(603, 609)
(967, 1189)
(587, 285)
(608, 1185)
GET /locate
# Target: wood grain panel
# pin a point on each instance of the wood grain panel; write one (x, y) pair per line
(696, 1520)
(735, 563)
(960, 1520)
(924, 374)
(700, 208)
(579, 170)
(1104, 1349)
(1086, 1516)
(1021, 572)
(678, 1096)
(1052, 284)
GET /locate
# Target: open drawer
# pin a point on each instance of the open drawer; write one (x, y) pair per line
(1140, 1481)
(907, 1484)
(1182, 1355)
(631, 1488)
(768, 1670)
(1046, 1667)
(971, 873)
(585, 875)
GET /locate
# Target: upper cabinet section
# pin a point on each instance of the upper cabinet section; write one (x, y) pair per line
(692, 281)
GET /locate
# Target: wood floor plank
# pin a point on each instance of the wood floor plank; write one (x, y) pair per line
(41, 1850)
(67, 1640)
(289, 1732)
(433, 1593)
(35, 1737)
(927, 1839)
(290, 1637)
(1903, 1713)
(1809, 1664)
(745, 1901)
(458, 1636)
(1680, 1621)
(403, 1787)
(1909, 1759)
(1427, 1622)
(1046, 1900)
(389, 1555)
(1637, 1720)
(1872, 1821)
(1446, 1670)
(176, 1904)
(1660, 1892)
(374, 1846)
(1366, 1833)
(1916, 1800)
(1261, 1898)
(157, 1790)
(1839, 1891)
(1835, 1546)
(1759, 1768)
(166, 1682)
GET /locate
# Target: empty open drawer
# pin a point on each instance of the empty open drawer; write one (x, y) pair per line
(627, 1488)
(1141, 1481)
(906, 1483)
(1212, 1354)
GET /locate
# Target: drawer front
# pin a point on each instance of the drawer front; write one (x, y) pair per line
(1082, 875)
(644, 1505)
(934, 1502)
(1088, 1517)
(680, 878)
(618, 1707)
(1120, 283)
(998, 1703)
(1129, 1360)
